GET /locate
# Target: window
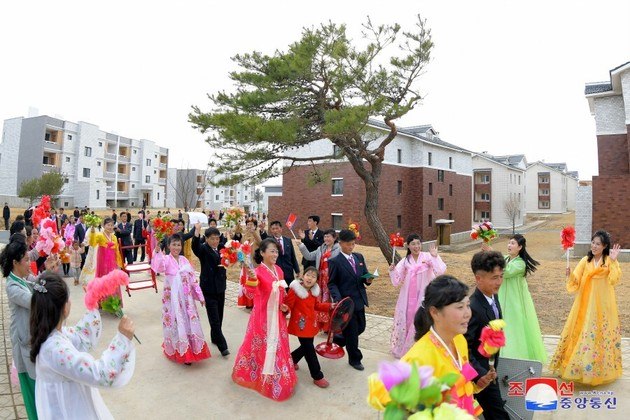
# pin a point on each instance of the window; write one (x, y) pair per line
(66, 180)
(154, 172)
(66, 204)
(440, 204)
(450, 216)
(88, 151)
(430, 220)
(510, 178)
(440, 175)
(430, 159)
(67, 158)
(156, 156)
(158, 196)
(450, 189)
(148, 162)
(450, 163)
(86, 172)
(133, 169)
(69, 138)
(245, 198)
(337, 186)
(399, 155)
(399, 187)
(399, 221)
(485, 179)
(147, 179)
(47, 137)
(98, 163)
(519, 180)
(485, 196)
(100, 144)
(337, 221)
(216, 197)
(337, 151)
(485, 215)
(430, 188)
(135, 152)
(133, 185)
(98, 194)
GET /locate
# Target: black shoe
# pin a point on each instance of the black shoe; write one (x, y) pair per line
(358, 366)
(225, 353)
(188, 364)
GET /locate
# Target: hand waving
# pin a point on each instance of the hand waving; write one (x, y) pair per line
(433, 250)
(614, 252)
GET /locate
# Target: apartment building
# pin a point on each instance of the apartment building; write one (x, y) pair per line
(425, 186)
(551, 188)
(499, 189)
(101, 169)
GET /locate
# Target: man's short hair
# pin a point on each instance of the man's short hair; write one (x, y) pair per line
(314, 218)
(211, 231)
(275, 222)
(487, 261)
(346, 235)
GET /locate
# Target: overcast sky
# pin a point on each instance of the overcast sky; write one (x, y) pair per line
(506, 76)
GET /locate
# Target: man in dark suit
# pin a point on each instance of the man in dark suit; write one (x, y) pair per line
(213, 223)
(484, 304)
(286, 254)
(123, 231)
(139, 235)
(212, 281)
(346, 273)
(80, 229)
(6, 215)
(313, 239)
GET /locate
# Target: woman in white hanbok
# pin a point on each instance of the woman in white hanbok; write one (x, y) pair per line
(68, 376)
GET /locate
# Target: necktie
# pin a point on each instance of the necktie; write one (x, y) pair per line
(353, 264)
(495, 309)
(280, 248)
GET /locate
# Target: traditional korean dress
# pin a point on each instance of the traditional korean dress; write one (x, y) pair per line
(432, 351)
(321, 256)
(413, 277)
(523, 339)
(19, 293)
(107, 257)
(263, 362)
(184, 341)
(67, 376)
(589, 350)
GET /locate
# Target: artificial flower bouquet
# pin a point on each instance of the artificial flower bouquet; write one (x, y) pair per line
(354, 226)
(492, 338)
(233, 216)
(484, 231)
(396, 241)
(234, 252)
(162, 227)
(408, 391)
(92, 220)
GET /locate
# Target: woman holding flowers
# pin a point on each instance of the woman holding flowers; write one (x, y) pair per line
(413, 273)
(105, 245)
(264, 362)
(589, 350)
(184, 341)
(440, 324)
(252, 235)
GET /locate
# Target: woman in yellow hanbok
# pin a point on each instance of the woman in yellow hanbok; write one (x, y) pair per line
(589, 350)
(440, 323)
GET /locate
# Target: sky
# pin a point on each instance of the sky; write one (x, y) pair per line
(506, 77)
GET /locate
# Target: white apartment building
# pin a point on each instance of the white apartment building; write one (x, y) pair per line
(551, 188)
(102, 169)
(499, 189)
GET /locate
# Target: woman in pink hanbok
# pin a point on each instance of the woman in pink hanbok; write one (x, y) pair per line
(264, 362)
(184, 341)
(413, 274)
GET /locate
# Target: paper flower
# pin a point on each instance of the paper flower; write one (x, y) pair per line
(393, 373)
(378, 397)
(92, 220)
(354, 226)
(233, 216)
(485, 231)
(232, 253)
(567, 237)
(492, 338)
(396, 240)
(162, 227)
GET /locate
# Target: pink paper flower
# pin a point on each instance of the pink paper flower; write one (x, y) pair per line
(393, 373)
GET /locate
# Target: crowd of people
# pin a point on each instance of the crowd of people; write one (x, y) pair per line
(437, 322)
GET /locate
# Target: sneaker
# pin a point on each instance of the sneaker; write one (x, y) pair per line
(322, 383)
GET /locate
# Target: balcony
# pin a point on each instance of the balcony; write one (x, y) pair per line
(110, 156)
(46, 168)
(52, 146)
(162, 165)
(122, 195)
(109, 175)
(124, 177)
(123, 158)
(162, 181)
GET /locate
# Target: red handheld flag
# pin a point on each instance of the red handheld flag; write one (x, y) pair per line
(291, 220)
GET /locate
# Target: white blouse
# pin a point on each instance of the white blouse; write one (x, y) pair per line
(67, 376)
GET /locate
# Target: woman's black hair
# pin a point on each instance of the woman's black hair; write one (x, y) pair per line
(253, 220)
(309, 269)
(410, 238)
(50, 295)
(605, 238)
(331, 232)
(176, 237)
(108, 220)
(530, 263)
(263, 248)
(16, 227)
(14, 251)
(442, 291)
(29, 231)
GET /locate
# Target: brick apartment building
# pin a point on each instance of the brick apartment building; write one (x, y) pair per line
(425, 187)
(609, 103)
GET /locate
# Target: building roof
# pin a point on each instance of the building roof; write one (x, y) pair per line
(423, 132)
(597, 87)
(574, 174)
(510, 161)
(614, 84)
(558, 167)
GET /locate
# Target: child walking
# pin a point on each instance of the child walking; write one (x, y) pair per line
(67, 374)
(183, 336)
(302, 302)
(76, 258)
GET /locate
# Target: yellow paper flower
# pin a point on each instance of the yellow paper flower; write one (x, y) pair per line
(425, 414)
(497, 324)
(450, 412)
(378, 397)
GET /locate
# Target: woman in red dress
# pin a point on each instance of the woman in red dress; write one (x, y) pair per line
(263, 362)
(329, 249)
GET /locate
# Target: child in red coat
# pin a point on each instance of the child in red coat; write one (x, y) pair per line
(302, 302)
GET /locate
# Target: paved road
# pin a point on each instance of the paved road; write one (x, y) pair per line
(4, 236)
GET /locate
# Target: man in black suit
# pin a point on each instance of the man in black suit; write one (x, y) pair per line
(6, 215)
(123, 231)
(346, 279)
(313, 239)
(139, 232)
(213, 223)
(80, 229)
(212, 281)
(286, 254)
(484, 304)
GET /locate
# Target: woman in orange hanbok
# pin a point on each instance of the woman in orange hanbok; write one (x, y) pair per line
(440, 325)
(589, 350)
